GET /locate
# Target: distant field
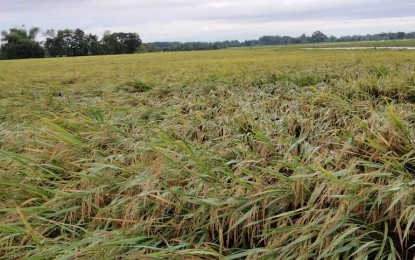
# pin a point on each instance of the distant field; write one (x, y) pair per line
(389, 43)
(274, 153)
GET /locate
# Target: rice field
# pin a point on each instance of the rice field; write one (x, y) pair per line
(385, 43)
(273, 153)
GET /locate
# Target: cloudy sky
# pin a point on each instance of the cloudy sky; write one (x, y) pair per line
(210, 20)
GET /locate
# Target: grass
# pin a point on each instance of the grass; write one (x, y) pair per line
(232, 154)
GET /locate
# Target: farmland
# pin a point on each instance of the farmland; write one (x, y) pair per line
(274, 152)
(388, 43)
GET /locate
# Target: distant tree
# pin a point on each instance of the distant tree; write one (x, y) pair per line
(318, 36)
(120, 43)
(251, 42)
(217, 45)
(94, 46)
(147, 47)
(197, 46)
(20, 43)
(61, 45)
(267, 40)
(79, 43)
(188, 46)
(400, 35)
(111, 45)
(383, 36)
(72, 43)
(410, 35)
(233, 43)
(131, 41)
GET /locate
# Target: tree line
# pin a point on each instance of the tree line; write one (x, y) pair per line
(19, 43)
(319, 37)
(316, 37)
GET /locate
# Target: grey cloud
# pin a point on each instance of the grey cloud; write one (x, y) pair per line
(274, 12)
(197, 19)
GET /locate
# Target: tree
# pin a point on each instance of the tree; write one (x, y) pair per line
(79, 43)
(121, 43)
(94, 46)
(318, 36)
(400, 35)
(61, 44)
(111, 45)
(146, 47)
(20, 44)
(72, 43)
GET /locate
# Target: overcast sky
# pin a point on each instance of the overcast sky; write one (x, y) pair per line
(210, 20)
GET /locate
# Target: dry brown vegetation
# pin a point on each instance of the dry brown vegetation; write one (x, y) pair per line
(269, 153)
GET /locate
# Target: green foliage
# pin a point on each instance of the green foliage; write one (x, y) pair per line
(73, 43)
(21, 44)
(135, 86)
(146, 47)
(77, 43)
(318, 36)
(303, 79)
(120, 43)
(379, 71)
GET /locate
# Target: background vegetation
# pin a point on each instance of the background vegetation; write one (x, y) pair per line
(19, 43)
(266, 153)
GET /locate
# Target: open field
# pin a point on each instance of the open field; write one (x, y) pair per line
(273, 153)
(406, 43)
(388, 43)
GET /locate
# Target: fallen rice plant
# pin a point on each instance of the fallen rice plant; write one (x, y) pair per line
(274, 154)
